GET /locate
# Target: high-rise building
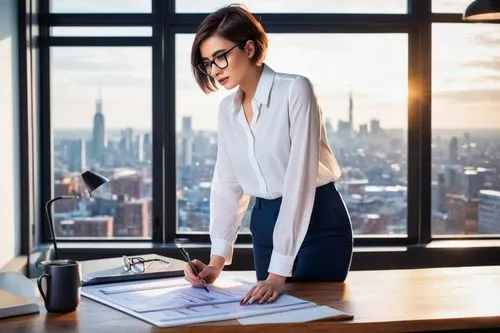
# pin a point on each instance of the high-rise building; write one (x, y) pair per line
(129, 185)
(375, 127)
(187, 125)
(133, 218)
(453, 153)
(453, 175)
(147, 139)
(187, 139)
(473, 182)
(462, 213)
(363, 130)
(139, 146)
(489, 212)
(441, 194)
(467, 138)
(201, 144)
(187, 151)
(65, 187)
(126, 141)
(467, 143)
(98, 133)
(77, 155)
(148, 146)
(93, 226)
(343, 129)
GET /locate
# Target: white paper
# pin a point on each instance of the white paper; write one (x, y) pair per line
(155, 296)
(173, 301)
(293, 316)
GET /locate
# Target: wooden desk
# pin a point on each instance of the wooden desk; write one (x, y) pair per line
(381, 301)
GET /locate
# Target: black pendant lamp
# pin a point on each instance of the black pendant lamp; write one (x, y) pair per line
(483, 10)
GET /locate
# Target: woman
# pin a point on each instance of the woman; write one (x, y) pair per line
(271, 145)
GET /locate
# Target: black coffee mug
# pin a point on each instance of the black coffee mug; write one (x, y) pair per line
(63, 285)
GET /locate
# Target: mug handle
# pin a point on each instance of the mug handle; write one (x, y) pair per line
(39, 283)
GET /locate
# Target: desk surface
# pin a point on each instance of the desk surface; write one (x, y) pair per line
(381, 301)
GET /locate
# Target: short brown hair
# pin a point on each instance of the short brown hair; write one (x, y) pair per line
(233, 23)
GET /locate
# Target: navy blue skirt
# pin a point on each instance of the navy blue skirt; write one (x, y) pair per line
(325, 254)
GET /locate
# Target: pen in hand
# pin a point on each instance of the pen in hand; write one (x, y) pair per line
(185, 254)
(197, 273)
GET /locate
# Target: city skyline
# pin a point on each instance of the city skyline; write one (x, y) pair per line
(374, 181)
(98, 103)
(102, 113)
(466, 84)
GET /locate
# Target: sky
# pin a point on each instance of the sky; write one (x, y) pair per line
(466, 69)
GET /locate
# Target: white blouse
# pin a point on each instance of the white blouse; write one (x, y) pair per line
(283, 152)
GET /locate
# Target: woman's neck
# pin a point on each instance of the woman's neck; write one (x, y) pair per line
(249, 85)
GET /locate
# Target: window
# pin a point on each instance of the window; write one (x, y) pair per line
(196, 144)
(465, 133)
(298, 6)
(101, 120)
(100, 31)
(366, 122)
(98, 6)
(357, 62)
(450, 6)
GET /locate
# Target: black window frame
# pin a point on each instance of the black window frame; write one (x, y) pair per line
(166, 23)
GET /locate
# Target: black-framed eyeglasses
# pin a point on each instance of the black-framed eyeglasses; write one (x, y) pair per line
(138, 264)
(220, 61)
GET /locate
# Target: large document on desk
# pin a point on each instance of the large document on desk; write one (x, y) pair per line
(172, 301)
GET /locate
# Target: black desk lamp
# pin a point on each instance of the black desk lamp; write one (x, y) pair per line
(92, 181)
(483, 10)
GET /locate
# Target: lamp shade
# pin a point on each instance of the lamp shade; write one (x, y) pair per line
(483, 10)
(93, 180)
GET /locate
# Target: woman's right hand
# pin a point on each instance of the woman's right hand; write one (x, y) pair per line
(207, 273)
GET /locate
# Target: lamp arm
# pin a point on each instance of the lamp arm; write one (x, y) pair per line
(51, 222)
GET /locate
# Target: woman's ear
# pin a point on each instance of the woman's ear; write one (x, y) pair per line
(250, 48)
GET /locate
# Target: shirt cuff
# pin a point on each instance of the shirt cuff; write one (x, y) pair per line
(222, 248)
(281, 264)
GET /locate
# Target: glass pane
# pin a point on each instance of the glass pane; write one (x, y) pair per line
(297, 6)
(101, 31)
(100, 6)
(373, 155)
(465, 129)
(101, 121)
(450, 6)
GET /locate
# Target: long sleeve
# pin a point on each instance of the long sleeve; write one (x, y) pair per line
(300, 178)
(228, 204)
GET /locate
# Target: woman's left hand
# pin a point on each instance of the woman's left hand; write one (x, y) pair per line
(266, 291)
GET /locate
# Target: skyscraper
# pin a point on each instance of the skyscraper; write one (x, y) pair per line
(76, 155)
(148, 147)
(375, 127)
(139, 146)
(473, 182)
(363, 130)
(441, 194)
(489, 210)
(468, 148)
(454, 150)
(187, 125)
(187, 141)
(98, 132)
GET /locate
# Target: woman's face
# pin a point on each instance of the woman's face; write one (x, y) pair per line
(214, 48)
